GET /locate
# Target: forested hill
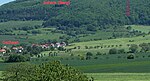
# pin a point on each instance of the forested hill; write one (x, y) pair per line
(97, 13)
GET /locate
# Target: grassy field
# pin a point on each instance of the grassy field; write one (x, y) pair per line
(120, 76)
(141, 28)
(112, 43)
(24, 36)
(0, 75)
(123, 41)
(103, 63)
(1, 59)
(18, 24)
(97, 35)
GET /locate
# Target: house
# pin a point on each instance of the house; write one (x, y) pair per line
(14, 48)
(53, 45)
(3, 51)
(44, 46)
(34, 45)
(18, 49)
(57, 45)
(63, 44)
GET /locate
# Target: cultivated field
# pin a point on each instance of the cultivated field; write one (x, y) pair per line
(120, 76)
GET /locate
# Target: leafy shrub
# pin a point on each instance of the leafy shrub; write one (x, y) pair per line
(130, 56)
(50, 71)
(16, 58)
(113, 51)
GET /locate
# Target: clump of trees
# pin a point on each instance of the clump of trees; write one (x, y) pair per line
(50, 71)
(17, 58)
(145, 47)
(116, 51)
(88, 55)
(133, 48)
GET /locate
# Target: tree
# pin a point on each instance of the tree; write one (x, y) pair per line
(89, 54)
(145, 47)
(133, 48)
(16, 58)
(98, 53)
(50, 71)
(113, 51)
(21, 72)
(129, 28)
(130, 56)
(121, 51)
(61, 49)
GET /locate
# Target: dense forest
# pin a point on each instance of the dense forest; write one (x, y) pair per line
(90, 15)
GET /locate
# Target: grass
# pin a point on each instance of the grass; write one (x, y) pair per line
(123, 41)
(106, 69)
(120, 76)
(119, 41)
(18, 24)
(141, 66)
(141, 28)
(104, 63)
(1, 60)
(45, 35)
(0, 75)
(97, 35)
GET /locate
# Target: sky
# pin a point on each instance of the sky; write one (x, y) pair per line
(5, 1)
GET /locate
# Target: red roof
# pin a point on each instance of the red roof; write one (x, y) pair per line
(2, 50)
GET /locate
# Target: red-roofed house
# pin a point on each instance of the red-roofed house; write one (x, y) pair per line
(2, 51)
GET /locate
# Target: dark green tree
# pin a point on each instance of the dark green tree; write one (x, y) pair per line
(113, 51)
(50, 71)
(16, 58)
(145, 47)
(133, 48)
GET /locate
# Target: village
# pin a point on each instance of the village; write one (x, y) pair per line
(18, 49)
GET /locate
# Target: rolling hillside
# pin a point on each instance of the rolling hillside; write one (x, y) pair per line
(100, 12)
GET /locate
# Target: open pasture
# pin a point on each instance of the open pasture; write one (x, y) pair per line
(145, 29)
(120, 76)
(19, 24)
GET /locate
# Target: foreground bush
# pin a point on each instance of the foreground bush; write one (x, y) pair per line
(51, 71)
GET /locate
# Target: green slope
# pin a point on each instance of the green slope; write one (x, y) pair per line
(120, 76)
(123, 41)
(103, 12)
(145, 29)
(19, 24)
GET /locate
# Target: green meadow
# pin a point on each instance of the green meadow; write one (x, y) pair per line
(119, 43)
(0, 75)
(25, 36)
(123, 41)
(145, 29)
(19, 24)
(120, 76)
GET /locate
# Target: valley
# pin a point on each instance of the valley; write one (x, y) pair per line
(86, 40)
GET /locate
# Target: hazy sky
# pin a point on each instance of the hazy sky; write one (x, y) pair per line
(5, 1)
